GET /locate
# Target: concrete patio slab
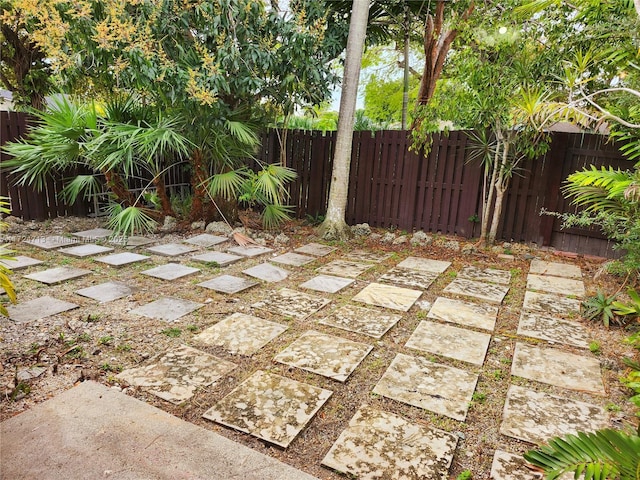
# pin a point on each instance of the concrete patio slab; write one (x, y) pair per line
(293, 259)
(327, 283)
(171, 249)
(133, 241)
(540, 267)
(476, 315)
(167, 308)
(551, 329)
(38, 308)
(254, 404)
(57, 275)
(85, 250)
(175, 375)
(490, 275)
(550, 304)
(107, 292)
(344, 268)
(507, 466)
(106, 431)
(122, 259)
(228, 284)
(52, 242)
(558, 368)
(291, 303)
(424, 264)
(366, 256)
(435, 387)
(316, 249)
(327, 355)
(170, 271)
(558, 285)
(388, 296)
(489, 292)
(535, 416)
(241, 334)
(94, 233)
(450, 341)
(206, 240)
(220, 258)
(250, 250)
(267, 272)
(20, 262)
(366, 321)
(379, 445)
(405, 277)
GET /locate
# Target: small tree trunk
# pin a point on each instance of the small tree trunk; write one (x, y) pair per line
(501, 187)
(119, 188)
(488, 200)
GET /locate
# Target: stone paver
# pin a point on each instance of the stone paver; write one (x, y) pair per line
(206, 240)
(38, 308)
(132, 241)
(122, 259)
(241, 334)
(378, 445)
(491, 275)
(57, 275)
(171, 249)
(405, 277)
(558, 285)
(450, 341)
(270, 407)
(52, 242)
(388, 296)
(555, 367)
(94, 233)
(220, 258)
(250, 250)
(424, 264)
(551, 329)
(327, 283)
(540, 267)
(293, 259)
(167, 308)
(326, 355)
(291, 303)
(20, 262)
(535, 416)
(175, 375)
(316, 249)
(484, 291)
(366, 321)
(267, 272)
(507, 466)
(555, 305)
(170, 271)
(365, 256)
(425, 384)
(464, 313)
(228, 284)
(85, 250)
(344, 268)
(107, 292)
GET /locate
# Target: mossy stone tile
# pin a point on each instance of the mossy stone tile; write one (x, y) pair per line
(552, 329)
(57, 275)
(270, 407)
(94, 233)
(507, 466)
(379, 445)
(291, 303)
(316, 249)
(558, 285)
(250, 250)
(556, 269)
(20, 262)
(38, 308)
(405, 277)
(167, 308)
(489, 292)
(558, 368)
(450, 341)
(132, 241)
(85, 250)
(293, 259)
(344, 268)
(366, 321)
(424, 264)
(170, 271)
(476, 315)
(535, 417)
(206, 240)
(122, 259)
(241, 334)
(52, 242)
(106, 292)
(491, 275)
(267, 272)
(551, 304)
(327, 283)
(228, 284)
(424, 384)
(388, 296)
(365, 256)
(171, 249)
(175, 375)
(327, 355)
(220, 258)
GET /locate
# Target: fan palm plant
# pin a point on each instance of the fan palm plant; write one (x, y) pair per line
(5, 254)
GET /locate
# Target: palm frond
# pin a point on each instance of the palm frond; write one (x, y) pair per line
(274, 215)
(242, 132)
(229, 184)
(130, 220)
(271, 183)
(87, 185)
(598, 189)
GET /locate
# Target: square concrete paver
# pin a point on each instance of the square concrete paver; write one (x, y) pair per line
(558, 285)
(57, 275)
(344, 268)
(206, 240)
(540, 267)
(450, 341)
(491, 275)
(107, 292)
(293, 259)
(220, 258)
(424, 264)
(439, 388)
(167, 308)
(550, 304)
(270, 407)
(316, 249)
(464, 313)
(267, 272)
(405, 277)
(175, 375)
(366, 321)
(388, 296)
(378, 445)
(484, 291)
(94, 233)
(85, 250)
(536, 417)
(507, 466)
(122, 259)
(291, 303)
(228, 284)
(250, 250)
(326, 355)
(20, 262)
(132, 241)
(327, 283)
(365, 256)
(555, 367)
(171, 249)
(38, 308)
(52, 242)
(241, 334)
(556, 330)
(170, 271)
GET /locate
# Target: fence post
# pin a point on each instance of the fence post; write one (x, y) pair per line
(554, 159)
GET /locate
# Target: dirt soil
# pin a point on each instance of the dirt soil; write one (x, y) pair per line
(97, 341)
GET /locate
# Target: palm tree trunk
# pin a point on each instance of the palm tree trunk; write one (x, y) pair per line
(198, 177)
